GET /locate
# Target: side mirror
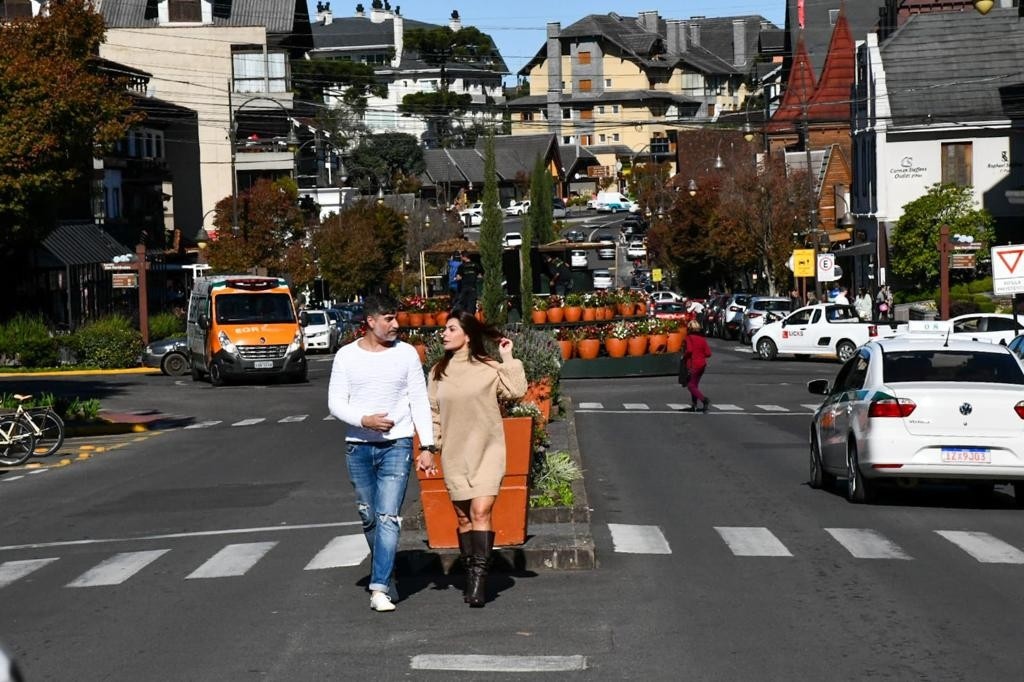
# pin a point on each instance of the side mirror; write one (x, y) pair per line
(818, 387)
(303, 318)
(203, 321)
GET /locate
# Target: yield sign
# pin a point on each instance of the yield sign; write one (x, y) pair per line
(1008, 269)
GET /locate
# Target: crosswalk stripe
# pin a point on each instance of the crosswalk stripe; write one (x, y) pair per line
(16, 570)
(232, 560)
(726, 407)
(752, 541)
(634, 539)
(811, 406)
(204, 425)
(293, 419)
(344, 550)
(497, 664)
(678, 406)
(250, 422)
(636, 406)
(772, 408)
(984, 547)
(117, 569)
(591, 406)
(864, 543)
(8, 479)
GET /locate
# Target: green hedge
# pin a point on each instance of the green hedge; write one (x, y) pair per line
(26, 340)
(165, 325)
(108, 343)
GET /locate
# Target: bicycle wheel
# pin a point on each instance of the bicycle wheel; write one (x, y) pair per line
(17, 441)
(51, 435)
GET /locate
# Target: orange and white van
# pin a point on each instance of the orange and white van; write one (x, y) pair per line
(243, 326)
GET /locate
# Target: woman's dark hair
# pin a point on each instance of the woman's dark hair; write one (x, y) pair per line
(477, 332)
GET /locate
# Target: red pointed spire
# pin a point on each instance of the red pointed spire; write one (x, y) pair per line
(799, 90)
(831, 100)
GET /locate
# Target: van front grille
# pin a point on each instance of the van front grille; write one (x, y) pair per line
(262, 352)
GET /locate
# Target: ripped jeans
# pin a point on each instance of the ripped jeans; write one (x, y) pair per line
(380, 474)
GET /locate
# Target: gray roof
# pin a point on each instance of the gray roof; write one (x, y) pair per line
(572, 154)
(470, 163)
(278, 16)
(862, 16)
(935, 73)
(513, 154)
(440, 167)
(83, 244)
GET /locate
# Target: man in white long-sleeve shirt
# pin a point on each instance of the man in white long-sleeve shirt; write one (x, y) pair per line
(378, 389)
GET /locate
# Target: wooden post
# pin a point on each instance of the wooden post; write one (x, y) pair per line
(944, 272)
(140, 267)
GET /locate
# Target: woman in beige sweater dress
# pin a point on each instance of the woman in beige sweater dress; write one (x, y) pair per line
(464, 389)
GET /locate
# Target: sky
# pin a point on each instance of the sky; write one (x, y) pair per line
(518, 26)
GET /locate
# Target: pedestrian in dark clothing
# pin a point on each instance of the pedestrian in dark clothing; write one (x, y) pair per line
(695, 358)
(561, 276)
(795, 302)
(467, 275)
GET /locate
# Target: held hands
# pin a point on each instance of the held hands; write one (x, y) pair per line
(505, 348)
(425, 462)
(377, 422)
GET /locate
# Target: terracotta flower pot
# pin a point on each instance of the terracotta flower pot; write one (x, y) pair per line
(609, 312)
(588, 349)
(589, 314)
(479, 315)
(421, 350)
(539, 393)
(441, 318)
(429, 320)
(567, 349)
(403, 318)
(675, 342)
(555, 315)
(641, 308)
(599, 314)
(657, 343)
(616, 347)
(637, 345)
(625, 309)
(415, 319)
(538, 316)
(573, 313)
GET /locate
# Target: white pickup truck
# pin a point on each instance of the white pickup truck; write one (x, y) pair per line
(823, 329)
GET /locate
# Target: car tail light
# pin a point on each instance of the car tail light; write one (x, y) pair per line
(735, 309)
(892, 407)
(1019, 409)
(751, 316)
(872, 330)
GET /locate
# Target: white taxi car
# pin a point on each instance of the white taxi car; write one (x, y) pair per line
(921, 408)
(821, 329)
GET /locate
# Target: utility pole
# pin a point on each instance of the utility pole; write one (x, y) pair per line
(812, 211)
(234, 175)
(944, 272)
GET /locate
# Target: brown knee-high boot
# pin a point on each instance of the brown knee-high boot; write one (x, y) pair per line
(465, 552)
(482, 542)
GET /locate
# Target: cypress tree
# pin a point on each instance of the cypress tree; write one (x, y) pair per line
(492, 298)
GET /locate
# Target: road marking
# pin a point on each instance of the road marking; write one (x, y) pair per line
(16, 570)
(752, 541)
(984, 547)
(173, 536)
(12, 478)
(632, 539)
(344, 550)
(232, 560)
(43, 471)
(678, 406)
(293, 419)
(591, 406)
(771, 408)
(330, 418)
(864, 543)
(740, 413)
(636, 406)
(811, 406)
(250, 422)
(498, 664)
(726, 407)
(117, 569)
(203, 425)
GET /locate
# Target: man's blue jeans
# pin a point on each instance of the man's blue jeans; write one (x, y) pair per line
(380, 474)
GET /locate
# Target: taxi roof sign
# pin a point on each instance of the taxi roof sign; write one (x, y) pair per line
(929, 327)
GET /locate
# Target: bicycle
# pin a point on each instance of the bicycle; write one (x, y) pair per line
(17, 441)
(46, 426)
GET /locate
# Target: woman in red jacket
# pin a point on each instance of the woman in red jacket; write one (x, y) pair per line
(695, 356)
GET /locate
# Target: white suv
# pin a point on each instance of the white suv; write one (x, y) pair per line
(316, 331)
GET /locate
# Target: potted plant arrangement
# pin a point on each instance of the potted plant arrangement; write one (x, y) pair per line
(539, 313)
(624, 303)
(589, 343)
(590, 305)
(566, 337)
(637, 343)
(418, 341)
(573, 307)
(657, 337)
(675, 330)
(541, 356)
(555, 312)
(429, 308)
(443, 306)
(414, 306)
(616, 340)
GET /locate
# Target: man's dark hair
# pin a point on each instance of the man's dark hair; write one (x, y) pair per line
(379, 304)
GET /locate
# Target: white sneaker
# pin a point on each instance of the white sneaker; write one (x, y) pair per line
(380, 601)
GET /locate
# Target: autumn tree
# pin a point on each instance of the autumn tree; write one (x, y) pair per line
(679, 241)
(493, 298)
(359, 249)
(271, 234)
(59, 111)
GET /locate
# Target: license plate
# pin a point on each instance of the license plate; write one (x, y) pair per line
(263, 364)
(967, 455)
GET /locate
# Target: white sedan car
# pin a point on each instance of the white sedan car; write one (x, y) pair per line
(991, 327)
(636, 249)
(921, 408)
(512, 239)
(476, 216)
(521, 208)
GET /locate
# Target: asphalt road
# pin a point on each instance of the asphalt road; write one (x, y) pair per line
(219, 552)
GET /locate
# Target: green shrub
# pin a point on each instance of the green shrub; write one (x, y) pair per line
(75, 409)
(963, 307)
(986, 307)
(979, 286)
(552, 480)
(108, 343)
(26, 340)
(165, 325)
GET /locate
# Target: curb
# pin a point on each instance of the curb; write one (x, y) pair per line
(80, 373)
(105, 429)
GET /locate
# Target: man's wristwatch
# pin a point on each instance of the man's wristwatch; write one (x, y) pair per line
(429, 448)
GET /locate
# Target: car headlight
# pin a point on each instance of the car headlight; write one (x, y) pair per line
(296, 343)
(149, 350)
(227, 344)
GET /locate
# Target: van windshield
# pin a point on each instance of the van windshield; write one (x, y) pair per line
(253, 308)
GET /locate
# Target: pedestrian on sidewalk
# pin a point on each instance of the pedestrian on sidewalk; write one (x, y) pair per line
(795, 302)
(467, 275)
(377, 388)
(695, 358)
(465, 387)
(863, 304)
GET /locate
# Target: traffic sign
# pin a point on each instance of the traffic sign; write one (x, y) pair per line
(827, 268)
(803, 262)
(962, 261)
(656, 275)
(1008, 269)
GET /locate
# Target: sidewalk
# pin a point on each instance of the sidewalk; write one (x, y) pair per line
(79, 372)
(557, 538)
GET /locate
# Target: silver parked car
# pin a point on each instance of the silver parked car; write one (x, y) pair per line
(760, 311)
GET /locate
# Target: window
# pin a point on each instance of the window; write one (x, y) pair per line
(526, 116)
(957, 162)
(615, 137)
(967, 366)
(711, 109)
(15, 9)
(833, 16)
(586, 139)
(544, 114)
(585, 85)
(602, 137)
(184, 10)
(586, 114)
(600, 110)
(584, 57)
(256, 72)
(800, 317)
(607, 82)
(615, 108)
(1002, 324)
(566, 114)
(566, 139)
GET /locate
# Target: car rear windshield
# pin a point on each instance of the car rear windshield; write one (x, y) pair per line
(742, 300)
(316, 318)
(779, 306)
(968, 366)
(253, 308)
(841, 313)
